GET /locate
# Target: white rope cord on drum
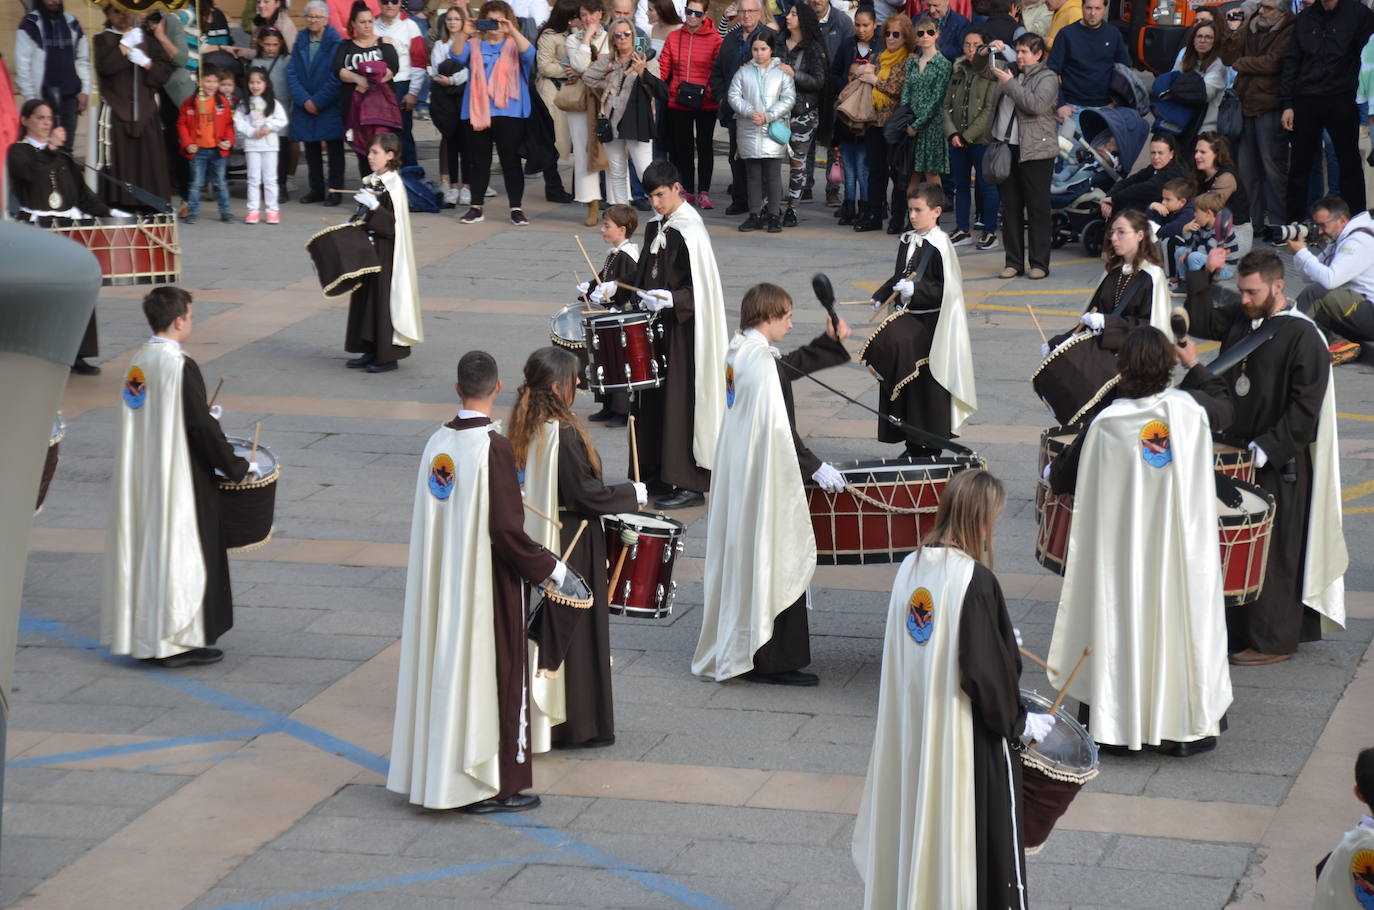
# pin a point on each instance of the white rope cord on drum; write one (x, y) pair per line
(885, 506)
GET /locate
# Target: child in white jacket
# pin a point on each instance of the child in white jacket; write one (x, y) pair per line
(259, 119)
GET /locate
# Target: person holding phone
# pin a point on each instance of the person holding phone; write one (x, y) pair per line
(629, 85)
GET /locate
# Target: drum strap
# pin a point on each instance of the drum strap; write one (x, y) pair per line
(1245, 347)
(927, 250)
(1129, 299)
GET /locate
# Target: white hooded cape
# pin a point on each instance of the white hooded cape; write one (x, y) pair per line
(154, 585)
(1161, 303)
(915, 839)
(709, 332)
(548, 707)
(1143, 585)
(1349, 870)
(951, 355)
(405, 284)
(446, 733)
(760, 552)
(1326, 559)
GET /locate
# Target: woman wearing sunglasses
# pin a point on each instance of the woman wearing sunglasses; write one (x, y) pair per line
(898, 40)
(923, 93)
(628, 86)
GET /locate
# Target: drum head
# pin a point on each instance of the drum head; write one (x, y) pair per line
(644, 523)
(567, 324)
(888, 470)
(599, 320)
(1255, 503)
(1068, 749)
(267, 462)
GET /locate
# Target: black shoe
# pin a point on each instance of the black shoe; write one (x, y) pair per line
(847, 215)
(333, 199)
(752, 223)
(311, 197)
(596, 742)
(603, 414)
(517, 218)
(1109, 749)
(617, 420)
(82, 368)
(785, 678)
(1185, 750)
(807, 195)
(387, 367)
(832, 198)
(520, 802)
(357, 363)
(894, 228)
(789, 218)
(773, 224)
(737, 208)
(643, 205)
(194, 658)
(558, 195)
(682, 499)
(868, 223)
(283, 195)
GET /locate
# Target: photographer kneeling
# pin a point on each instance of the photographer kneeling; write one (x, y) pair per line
(1341, 275)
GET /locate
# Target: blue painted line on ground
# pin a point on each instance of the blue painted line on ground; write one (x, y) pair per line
(327, 742)
(152, 745)
(392, 881)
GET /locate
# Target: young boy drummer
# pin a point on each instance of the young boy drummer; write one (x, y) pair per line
(622, 265)
(760, 552)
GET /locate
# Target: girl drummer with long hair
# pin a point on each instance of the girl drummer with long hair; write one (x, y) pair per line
(1134, 290)
(950, 693)
(563, 480)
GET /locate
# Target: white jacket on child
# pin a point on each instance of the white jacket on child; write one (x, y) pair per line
(248, 123)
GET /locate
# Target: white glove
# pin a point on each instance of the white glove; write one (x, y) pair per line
(906, 287)
(1094, 321)
(606, 290)
(641, 492)
(1044, 349)
(216, 411)
(656, 300)
(363, 197)
(138, 58)
(132, 38)
(830, 480)
(1038, 726)
(583, 287)
(1017, 633)
(560, 572)
(253, 470)
(1261, 456)
(1045, 475)
(119, 213)
(876, 304)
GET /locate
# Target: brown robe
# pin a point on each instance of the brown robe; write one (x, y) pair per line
(587, 666)
(515, 560)
(138, 152)
(790, 646)
(1288, 376)
(369, 329)
(209, 450)
(664, 417)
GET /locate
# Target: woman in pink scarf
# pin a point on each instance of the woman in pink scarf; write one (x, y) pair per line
(497, 103)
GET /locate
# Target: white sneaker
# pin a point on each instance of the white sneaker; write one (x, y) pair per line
(491, 191)
(464, 196)
(451, 197)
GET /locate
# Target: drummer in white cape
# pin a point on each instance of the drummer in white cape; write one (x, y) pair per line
(760, 552)
(921, 353)
(166, 587)
(676, 425)
(384, 312)
(1345, 878)
(461, 731)
(940, 820)
(563, 478)
(1285, 404)
(1142, 581)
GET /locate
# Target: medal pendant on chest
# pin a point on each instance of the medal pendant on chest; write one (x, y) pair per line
(1243, 385)
(54, 198)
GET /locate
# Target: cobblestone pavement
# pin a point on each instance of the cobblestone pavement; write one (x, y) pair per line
(257, 782)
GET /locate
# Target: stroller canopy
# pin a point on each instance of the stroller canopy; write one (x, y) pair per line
(1128, 128)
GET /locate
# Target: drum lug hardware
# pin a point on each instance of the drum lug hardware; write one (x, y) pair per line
(625, 593)
(669, 551)
(653, 366)
(658, 595)
(658, 327)
(634, 554)
(595, 341)
(667, 603)
(600, 375)
(677, 547)
(628, 377)
(624, 339)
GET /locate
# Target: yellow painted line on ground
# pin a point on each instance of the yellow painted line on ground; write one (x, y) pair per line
(1368, 418)
(1358, 491)
(1025, 293)
(1361, 510)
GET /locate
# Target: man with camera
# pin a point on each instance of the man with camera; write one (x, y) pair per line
(1341, 273)
(1254, 46)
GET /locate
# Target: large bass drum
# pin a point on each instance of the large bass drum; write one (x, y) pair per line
(344, 257)
(1075, 376)
(134, 250)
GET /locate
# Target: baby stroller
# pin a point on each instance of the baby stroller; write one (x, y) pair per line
(1086, 168)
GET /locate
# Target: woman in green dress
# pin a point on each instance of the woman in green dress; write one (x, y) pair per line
(927, 77)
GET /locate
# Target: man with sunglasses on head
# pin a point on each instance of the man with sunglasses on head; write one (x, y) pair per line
(734, 53)
(1254, 46)
(410, 78)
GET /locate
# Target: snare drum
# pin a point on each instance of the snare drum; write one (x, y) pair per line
(1245, 533)
(59, 430)
(1233, 461)
(625, 350)
(566, 329)
(885, 510)
(1053, 442)
(141, 250)
(344, 257)
(646, 587)
(247, 507)
(1053, 771)
(1075, 376)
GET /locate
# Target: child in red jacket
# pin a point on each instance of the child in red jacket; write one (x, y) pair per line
(205, 130)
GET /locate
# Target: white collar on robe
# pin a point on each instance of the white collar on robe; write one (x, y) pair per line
(35, 143)
(1366, 822)
(465, 414)
(158, 339)
(760, 337)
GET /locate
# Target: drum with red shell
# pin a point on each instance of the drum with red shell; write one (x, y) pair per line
(625, 351)
(645, 587)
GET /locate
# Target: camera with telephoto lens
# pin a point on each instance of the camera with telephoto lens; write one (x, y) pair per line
(1298, 230)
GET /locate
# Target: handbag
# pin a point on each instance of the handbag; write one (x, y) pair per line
(855, 105)
(997, 162)
(691, 95)
(778, 130)
(836, 173)
(1230, 116)
(572, 97)
(604, 133)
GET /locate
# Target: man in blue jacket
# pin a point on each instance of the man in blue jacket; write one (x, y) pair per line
(1083, 55)
(316, 118)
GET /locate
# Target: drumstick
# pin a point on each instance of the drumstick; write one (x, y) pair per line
(1063, 693)
(257, 428)
(628, 539)
(362, 190)
(1036, 660)
(553, 521)
(217, 388)
(1030, 309)
(889, 301)
(634, 449)
(585, 256)
(586, 301)
(629, 287)
(576, 537)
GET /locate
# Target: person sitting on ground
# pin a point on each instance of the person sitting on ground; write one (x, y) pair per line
(1341, 275)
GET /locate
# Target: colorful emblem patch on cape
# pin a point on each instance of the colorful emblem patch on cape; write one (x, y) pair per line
(1154, 444)
(135, 388)
(729, 385)
(920, 616)
(1362, 877)
(441, 476)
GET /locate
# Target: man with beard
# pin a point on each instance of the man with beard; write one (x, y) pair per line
(1286, 414)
